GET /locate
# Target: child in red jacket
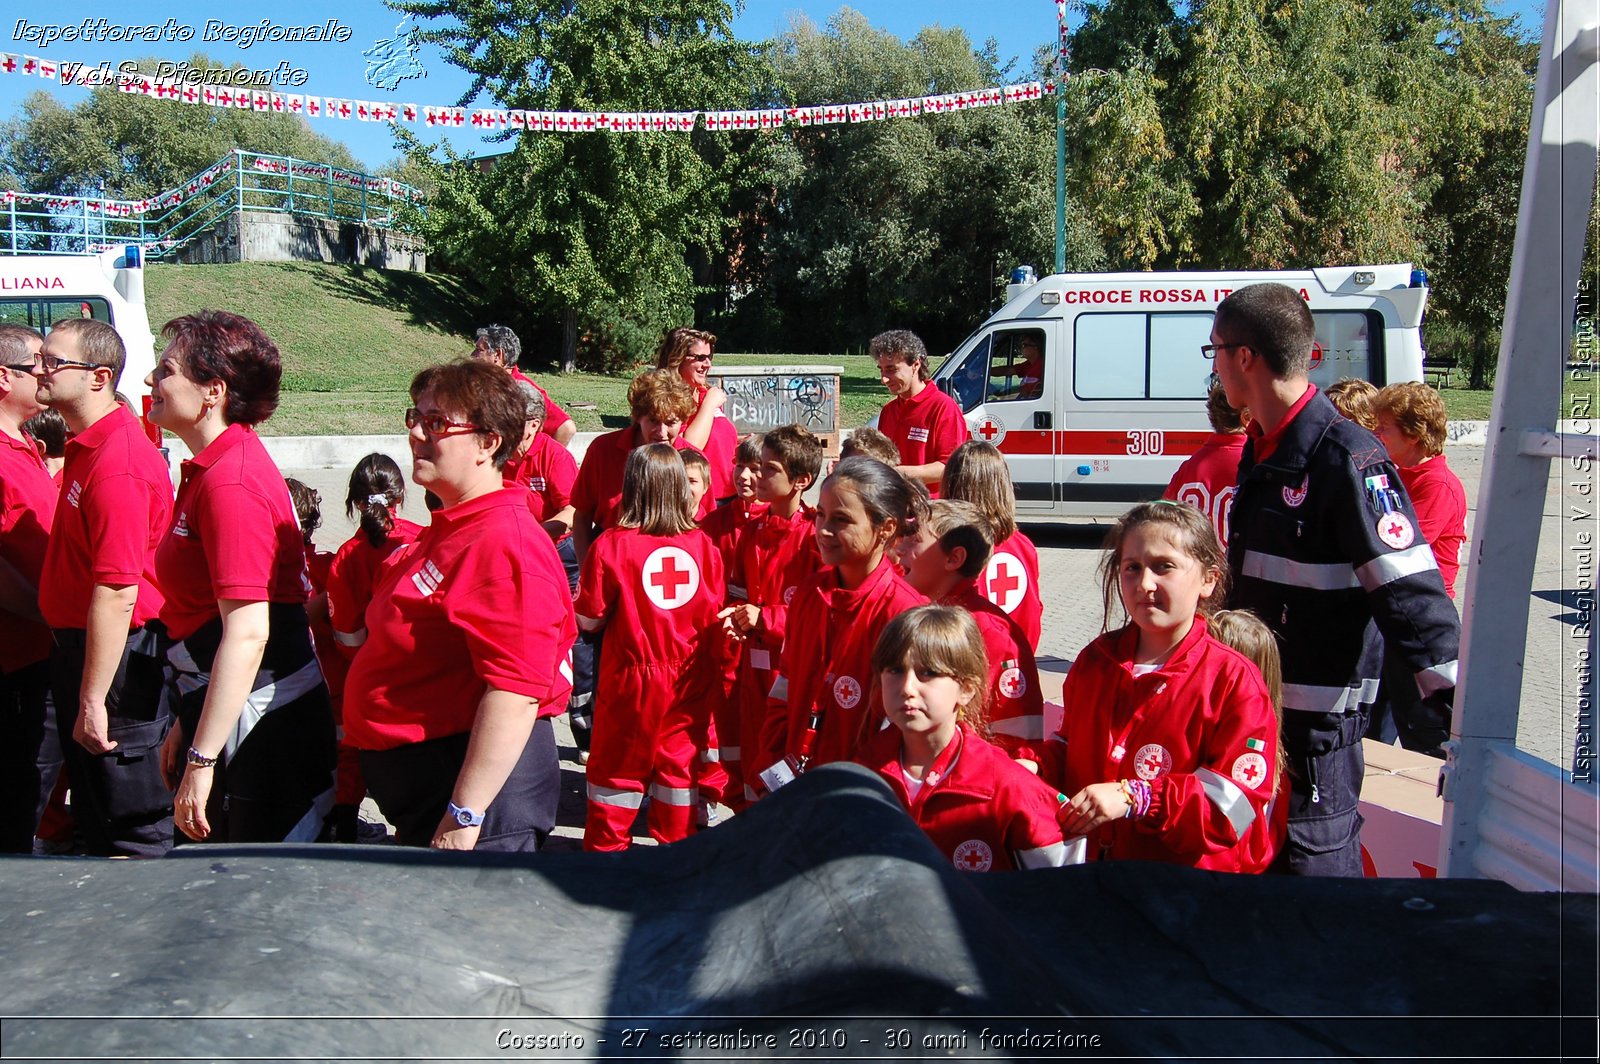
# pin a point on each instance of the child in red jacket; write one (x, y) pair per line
(654, 582)
(943, 559)
(1170, 740)
(977, 473)
(983, 810)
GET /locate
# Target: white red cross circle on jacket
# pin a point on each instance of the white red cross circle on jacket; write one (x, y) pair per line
(1250, 769)
(1012, 683)
(1006, 580)
(1396, 531)
(989, 431)
(973, 855)
(1152, 761)
(847, 692)
(670, 577)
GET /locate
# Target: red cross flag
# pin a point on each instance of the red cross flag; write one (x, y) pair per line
(208, 95)
(8, 63)
(30, 64)
(47, 69)
(314, 106)
(670, 577)
(190, 94)
(408, 111)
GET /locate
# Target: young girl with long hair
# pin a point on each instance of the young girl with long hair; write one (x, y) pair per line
(1170, 737)
(654, 582)
(977, 473)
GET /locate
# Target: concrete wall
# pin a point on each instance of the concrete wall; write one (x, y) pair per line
(260, 236)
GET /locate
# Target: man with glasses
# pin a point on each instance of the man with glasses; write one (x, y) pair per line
(1324, 548)
(500, 345)
(28, 758)
(99, 596)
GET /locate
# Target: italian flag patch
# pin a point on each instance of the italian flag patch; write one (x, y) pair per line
(1255, 744)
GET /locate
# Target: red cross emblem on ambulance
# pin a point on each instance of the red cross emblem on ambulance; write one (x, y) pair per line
(670, 577)
(1152, 761)
(1005, 581)
(989, 431)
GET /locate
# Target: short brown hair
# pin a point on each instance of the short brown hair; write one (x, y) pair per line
(655, 492)
(661, 394)
(945, 641)
(675, 346)
(797, 448)
(14, 341)
(977, 472)
(905, 343)
(216, 345)
(1353, 397)
(955, 523)
(749, 452)
(873, 444)
(696, 459)
(97, 343)
(1274, 322)
(1221, 414)
(1418, 412)
(480, 392)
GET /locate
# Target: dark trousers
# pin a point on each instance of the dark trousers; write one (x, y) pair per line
(1326, 765)
(119, 802)
(412, 786)
(30, 754)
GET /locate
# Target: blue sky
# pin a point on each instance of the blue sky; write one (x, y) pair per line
(338, 69)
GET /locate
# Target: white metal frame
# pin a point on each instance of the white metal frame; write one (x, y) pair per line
(1508, 815)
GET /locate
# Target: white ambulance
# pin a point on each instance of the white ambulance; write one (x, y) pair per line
(40, 290)
(1093, 385)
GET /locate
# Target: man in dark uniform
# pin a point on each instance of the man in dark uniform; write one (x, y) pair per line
(1325, 548)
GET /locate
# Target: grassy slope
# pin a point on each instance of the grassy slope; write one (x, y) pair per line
(352, 338)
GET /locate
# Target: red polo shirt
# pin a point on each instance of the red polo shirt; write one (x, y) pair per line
(598, 489)
(554, 416)
(925, 427)
(1267, 442)
(114, 508)
(479, 600)
(27, 506)
(234, 534)
(548, 471)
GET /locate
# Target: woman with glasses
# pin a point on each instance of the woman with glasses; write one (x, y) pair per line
(253, 710)
(688, 352)
(450, 696)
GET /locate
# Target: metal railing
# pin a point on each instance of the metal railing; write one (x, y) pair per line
(40, 224)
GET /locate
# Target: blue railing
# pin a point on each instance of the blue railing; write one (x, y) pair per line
(38, 224)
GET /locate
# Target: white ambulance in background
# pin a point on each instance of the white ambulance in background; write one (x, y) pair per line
(40, 290)
(1093, 385)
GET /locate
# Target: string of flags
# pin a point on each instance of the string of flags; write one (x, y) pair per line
(496, 119)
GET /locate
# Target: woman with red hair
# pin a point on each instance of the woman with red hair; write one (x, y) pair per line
(253, 709)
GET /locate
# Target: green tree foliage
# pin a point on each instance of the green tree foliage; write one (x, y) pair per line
(902, 223)
(598, 229)
(140, 146)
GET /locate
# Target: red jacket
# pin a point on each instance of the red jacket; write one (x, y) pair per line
(1011, 581)
(827, 663)
(1209, 478)
(1016, 705)
(983, 810)
(1200, 730)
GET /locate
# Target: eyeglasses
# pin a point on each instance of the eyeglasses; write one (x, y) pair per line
(30, 368)
(1210, 350)
(437, 424)
(698, 358)
(50, 363)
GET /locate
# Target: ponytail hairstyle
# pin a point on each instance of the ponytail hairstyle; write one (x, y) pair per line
(655, 492)
(943, 640)
(376, 489)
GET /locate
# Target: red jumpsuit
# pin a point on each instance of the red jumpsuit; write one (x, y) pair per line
(775, 556)
(351, 576)
(1016, 705)
(1200, 730)
(925, 427)
(1209, 478)
(658, 597)
(720, 776)
(984, 811)
(827, 663)
(1011, 581)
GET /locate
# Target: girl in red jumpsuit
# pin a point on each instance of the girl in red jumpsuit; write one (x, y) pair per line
(983, 810)
(824, 690)
(655, 583)
(1171, 742)
(977, 473)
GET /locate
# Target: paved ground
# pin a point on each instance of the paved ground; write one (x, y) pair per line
(1069, 555)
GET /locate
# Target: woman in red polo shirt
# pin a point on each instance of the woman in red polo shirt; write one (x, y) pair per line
(450, 695)
(688, 352)
(253, 709)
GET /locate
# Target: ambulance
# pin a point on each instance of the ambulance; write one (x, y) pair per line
(40, 290)
(1093, 385)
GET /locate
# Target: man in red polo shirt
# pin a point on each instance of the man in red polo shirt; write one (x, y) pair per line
(500, 345)
(98, 594)
(923, 422)
(27, 506)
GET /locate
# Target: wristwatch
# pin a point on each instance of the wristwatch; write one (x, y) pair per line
(462, 815)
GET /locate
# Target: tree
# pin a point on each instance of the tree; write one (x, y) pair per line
(596, 228)
(139, 146)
